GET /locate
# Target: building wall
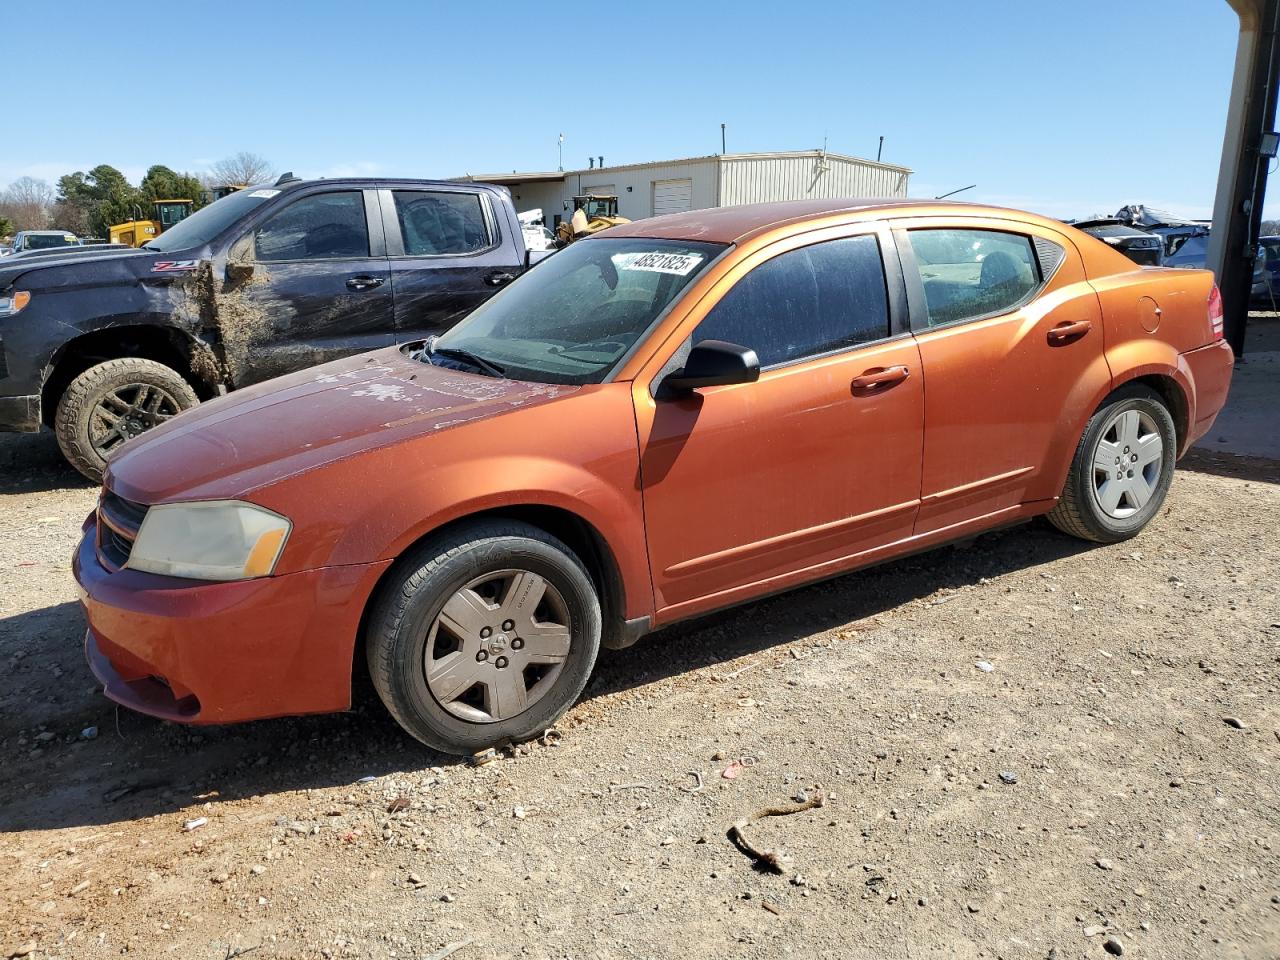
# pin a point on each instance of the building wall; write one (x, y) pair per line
(765, 179)
(637, 203)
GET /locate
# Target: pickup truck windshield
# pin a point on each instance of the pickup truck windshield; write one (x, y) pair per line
(206, 223)
(48, 241)
(574, 316)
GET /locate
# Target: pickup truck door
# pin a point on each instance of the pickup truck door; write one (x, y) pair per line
(450, 249)
(309, 284)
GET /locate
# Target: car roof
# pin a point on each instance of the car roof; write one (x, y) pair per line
(736, 224)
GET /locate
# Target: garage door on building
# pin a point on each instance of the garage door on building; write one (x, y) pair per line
(672, 196)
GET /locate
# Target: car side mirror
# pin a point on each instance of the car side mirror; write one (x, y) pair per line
(714, 363)
(238, 271)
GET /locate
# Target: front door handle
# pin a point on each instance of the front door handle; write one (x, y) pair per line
(879, 378)
(1070, 330)
(498, 278)
(364, 282)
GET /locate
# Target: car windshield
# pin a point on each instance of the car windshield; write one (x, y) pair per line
(48, 241)
(206, 223)
(573, 317)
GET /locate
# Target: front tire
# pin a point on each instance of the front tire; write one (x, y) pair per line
(1122, 468)
(484, 636)
(111, 403)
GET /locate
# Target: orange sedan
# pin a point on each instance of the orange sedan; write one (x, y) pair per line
(674, 416)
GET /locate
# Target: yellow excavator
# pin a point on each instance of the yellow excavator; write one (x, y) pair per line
(165, 213)
(591, 214)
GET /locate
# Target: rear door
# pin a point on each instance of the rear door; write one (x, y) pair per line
(1011, 341)
(309, 284)
(449, 252)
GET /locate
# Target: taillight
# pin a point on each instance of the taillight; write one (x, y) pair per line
(1215, 312)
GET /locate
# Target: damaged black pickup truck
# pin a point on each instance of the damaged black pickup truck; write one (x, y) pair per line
(102, 345)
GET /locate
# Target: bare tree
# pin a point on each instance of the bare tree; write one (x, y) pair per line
(28, 202)
(243, 167)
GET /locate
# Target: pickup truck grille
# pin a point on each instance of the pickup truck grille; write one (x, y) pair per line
(118, 523)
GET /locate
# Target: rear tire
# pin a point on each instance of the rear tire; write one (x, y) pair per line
(484, 636)
(1122, 468)
(113, 402)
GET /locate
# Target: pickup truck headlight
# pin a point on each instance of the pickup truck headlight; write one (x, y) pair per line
(210, 540)
(14, 303)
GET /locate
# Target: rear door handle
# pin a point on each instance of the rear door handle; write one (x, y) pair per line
(879, 378)
(1070, 330)
(498, 278)
(364, 282)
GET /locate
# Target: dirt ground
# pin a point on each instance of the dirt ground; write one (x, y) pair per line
(1110, 783)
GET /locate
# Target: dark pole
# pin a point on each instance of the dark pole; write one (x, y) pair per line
(879, 149)
(1244, 219)
(722, 139)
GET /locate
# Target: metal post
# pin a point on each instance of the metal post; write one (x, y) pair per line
(1242, 176)
(722, 140)
(879, 149)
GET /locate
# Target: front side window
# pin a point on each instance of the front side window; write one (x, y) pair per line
(805, 302)
(435, 223)
(575, 315)
(323, 226)
(968, 274)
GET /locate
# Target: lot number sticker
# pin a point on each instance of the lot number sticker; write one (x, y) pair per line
(656, 262)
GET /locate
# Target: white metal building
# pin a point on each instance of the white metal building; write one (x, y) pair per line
(673, 186)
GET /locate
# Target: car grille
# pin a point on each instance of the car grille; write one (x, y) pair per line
(118, 523)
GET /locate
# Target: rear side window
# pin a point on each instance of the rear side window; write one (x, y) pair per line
(968, 274)
(323, 226)
(435, 223)
(806, 302)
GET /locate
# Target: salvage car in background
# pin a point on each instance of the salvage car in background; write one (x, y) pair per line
(1138, 245)
(678, 415)
(103, 344)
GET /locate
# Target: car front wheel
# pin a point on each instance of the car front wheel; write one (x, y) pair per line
(483, 637)
(1122, 468)
(110, 403)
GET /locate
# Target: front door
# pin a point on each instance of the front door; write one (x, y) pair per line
(1010, 336)
(447, 257)
(754, 486)
(305, 288)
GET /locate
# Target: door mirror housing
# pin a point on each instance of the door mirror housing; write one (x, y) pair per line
(238, 271)
(714, 363)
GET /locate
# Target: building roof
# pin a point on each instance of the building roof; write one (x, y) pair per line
(514, 177)
(736, 224)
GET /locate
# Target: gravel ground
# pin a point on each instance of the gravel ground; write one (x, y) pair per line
(1110, 783)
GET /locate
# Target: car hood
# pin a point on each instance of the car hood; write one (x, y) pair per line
(79, 265)
(231, 446)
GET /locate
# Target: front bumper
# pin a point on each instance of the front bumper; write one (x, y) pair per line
(200, 652)
(20, 414)
(1210, 370)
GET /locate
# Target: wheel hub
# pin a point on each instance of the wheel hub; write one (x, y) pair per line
(1128, 462)
(497, 646)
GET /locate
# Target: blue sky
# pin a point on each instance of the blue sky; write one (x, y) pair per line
(1067, 109)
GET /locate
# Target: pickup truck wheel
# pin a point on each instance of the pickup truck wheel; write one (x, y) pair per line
(1122, 468)
(483, 637)
(113, 402)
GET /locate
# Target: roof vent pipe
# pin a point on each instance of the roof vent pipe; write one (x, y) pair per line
(591, 163)
(601, 162)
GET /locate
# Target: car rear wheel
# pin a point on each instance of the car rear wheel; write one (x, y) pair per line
(1122, 468)
(111, 403)
(483, 637)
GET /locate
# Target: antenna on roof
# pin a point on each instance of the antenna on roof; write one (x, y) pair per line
(943, 196)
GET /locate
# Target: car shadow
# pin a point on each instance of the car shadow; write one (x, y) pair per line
(32, 463)
(1257, 469)
(134, 766)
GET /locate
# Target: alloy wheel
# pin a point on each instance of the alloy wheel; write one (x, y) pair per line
(497, 646)
(127, 411)
(1127, 464)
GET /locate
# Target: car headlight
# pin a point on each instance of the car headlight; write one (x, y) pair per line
(210, 540)
(12, 304)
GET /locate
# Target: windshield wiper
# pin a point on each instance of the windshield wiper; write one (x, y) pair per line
(466, 356)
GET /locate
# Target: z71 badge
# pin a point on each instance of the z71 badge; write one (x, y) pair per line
(169, 266)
